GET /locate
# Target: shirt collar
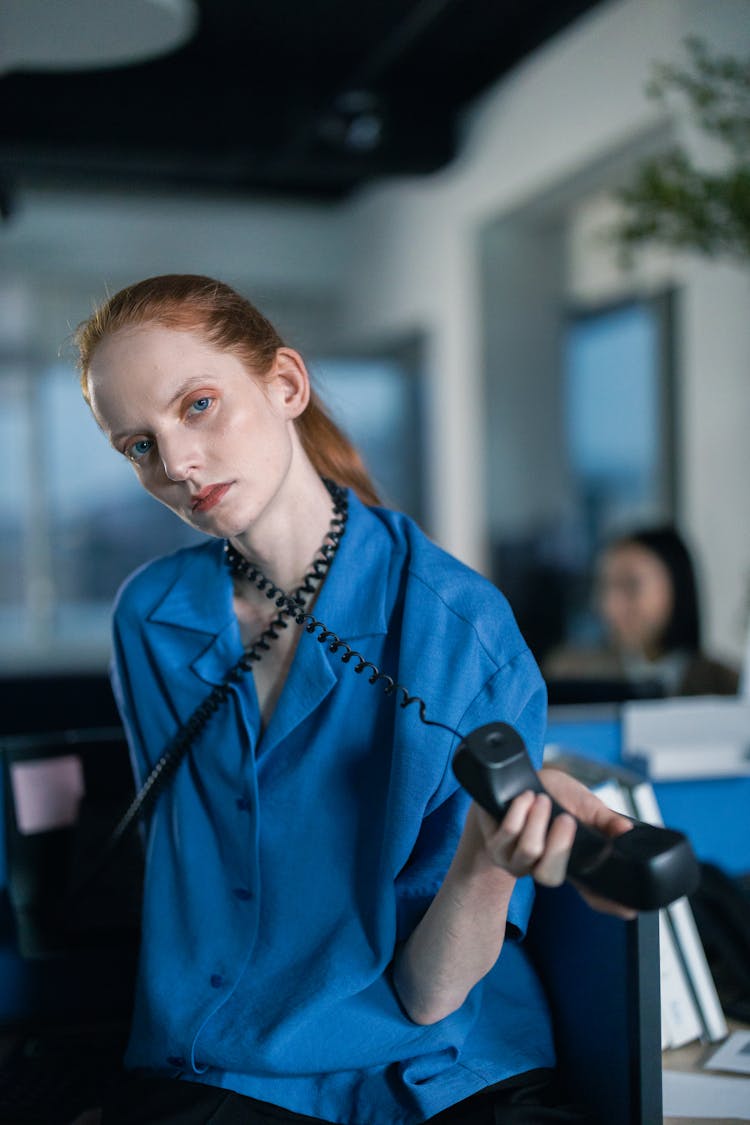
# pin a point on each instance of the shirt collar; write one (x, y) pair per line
(351, 603)
(200, 600)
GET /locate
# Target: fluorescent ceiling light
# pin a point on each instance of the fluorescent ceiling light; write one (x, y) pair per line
(90, 34)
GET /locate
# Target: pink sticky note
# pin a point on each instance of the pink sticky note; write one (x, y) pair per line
(47, 792)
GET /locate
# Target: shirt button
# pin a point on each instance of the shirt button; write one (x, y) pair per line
(242, 893)
(216, 980)
(176, 1060)
(244, 804)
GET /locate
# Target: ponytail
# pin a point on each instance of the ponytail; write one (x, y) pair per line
(331, 452)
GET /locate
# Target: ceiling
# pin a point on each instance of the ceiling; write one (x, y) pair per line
(306, 99)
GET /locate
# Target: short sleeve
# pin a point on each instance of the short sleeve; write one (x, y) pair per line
(516, 694)
(421, 878)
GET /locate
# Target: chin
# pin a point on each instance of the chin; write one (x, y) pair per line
(225, 528)
(227, 521)
(205, 524)
(218, 528)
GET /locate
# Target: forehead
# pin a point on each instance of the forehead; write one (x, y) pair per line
(634, 558)
(137, 372)
(150, 345)
(152, 359)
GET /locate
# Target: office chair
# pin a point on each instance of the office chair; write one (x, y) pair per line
(601, 975)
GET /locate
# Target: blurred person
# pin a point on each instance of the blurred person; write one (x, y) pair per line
(647, 600)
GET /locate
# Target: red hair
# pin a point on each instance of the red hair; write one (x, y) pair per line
(190, 302)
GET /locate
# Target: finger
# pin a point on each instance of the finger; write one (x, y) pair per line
(500, 838)
(605, 905)
(551, 868)
(601, 817)
(616, 824)
(582, 803)
(514, 821)
(530, 844)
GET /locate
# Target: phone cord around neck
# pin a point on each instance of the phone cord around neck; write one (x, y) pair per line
(289, 606)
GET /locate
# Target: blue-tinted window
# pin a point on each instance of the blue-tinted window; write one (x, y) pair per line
(102, 524)
(618, 426)
(15, 454)
(376, 401)
(614, 425)
(75, 521)
(612, 399)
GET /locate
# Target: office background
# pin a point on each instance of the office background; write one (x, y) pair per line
(511, 382)
(470, 326)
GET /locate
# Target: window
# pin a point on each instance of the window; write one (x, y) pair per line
(15, 457)
(614, 421)
(619, 419)
(75, 521)
(376, 401)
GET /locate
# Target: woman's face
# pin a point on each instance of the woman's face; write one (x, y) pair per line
(206, 438)
(635, 598)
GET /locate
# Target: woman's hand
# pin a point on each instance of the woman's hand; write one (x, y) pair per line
(522, 844)
(460, 937)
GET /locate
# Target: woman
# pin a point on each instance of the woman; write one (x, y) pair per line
(324, 908)
(647, 601)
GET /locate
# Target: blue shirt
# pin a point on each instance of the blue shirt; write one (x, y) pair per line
(285, 865)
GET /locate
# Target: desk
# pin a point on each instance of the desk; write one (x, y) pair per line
(690, 1059)
(711, 811)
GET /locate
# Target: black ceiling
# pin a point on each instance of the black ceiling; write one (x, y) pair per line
(300, 98)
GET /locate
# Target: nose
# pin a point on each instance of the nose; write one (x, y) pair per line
(179, 456)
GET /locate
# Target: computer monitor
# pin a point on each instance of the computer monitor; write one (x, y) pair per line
(594, 689)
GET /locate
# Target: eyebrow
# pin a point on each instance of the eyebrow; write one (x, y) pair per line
(182, 390)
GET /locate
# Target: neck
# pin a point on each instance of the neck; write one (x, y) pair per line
(285, 540)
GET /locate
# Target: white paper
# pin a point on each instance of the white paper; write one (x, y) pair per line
(676, 762)
(47, 792)
(734, 1054)
(705, 1095)
(704, 736)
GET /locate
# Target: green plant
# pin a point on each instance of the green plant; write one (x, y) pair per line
(674, 201)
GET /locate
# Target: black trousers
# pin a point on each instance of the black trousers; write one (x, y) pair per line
(526, 1099)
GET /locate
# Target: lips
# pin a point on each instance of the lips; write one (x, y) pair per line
(209, 497)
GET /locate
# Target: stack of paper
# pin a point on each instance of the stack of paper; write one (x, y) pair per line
(690, 1007)
(704, 736)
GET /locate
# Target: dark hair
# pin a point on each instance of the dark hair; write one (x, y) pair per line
(683, 630)
(228, 320)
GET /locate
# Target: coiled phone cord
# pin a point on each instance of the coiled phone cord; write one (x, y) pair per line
(289, 606)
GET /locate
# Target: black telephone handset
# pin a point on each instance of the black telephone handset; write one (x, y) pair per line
(645, 868)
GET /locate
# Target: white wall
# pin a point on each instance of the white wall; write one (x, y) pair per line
(715, 432)
(65, 250)
(405, 256)
(523, 288)
(413, 262)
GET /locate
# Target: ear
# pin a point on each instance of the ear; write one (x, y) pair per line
(289, 382)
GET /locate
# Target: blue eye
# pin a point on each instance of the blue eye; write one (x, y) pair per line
(139, 449)
(201, 404)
